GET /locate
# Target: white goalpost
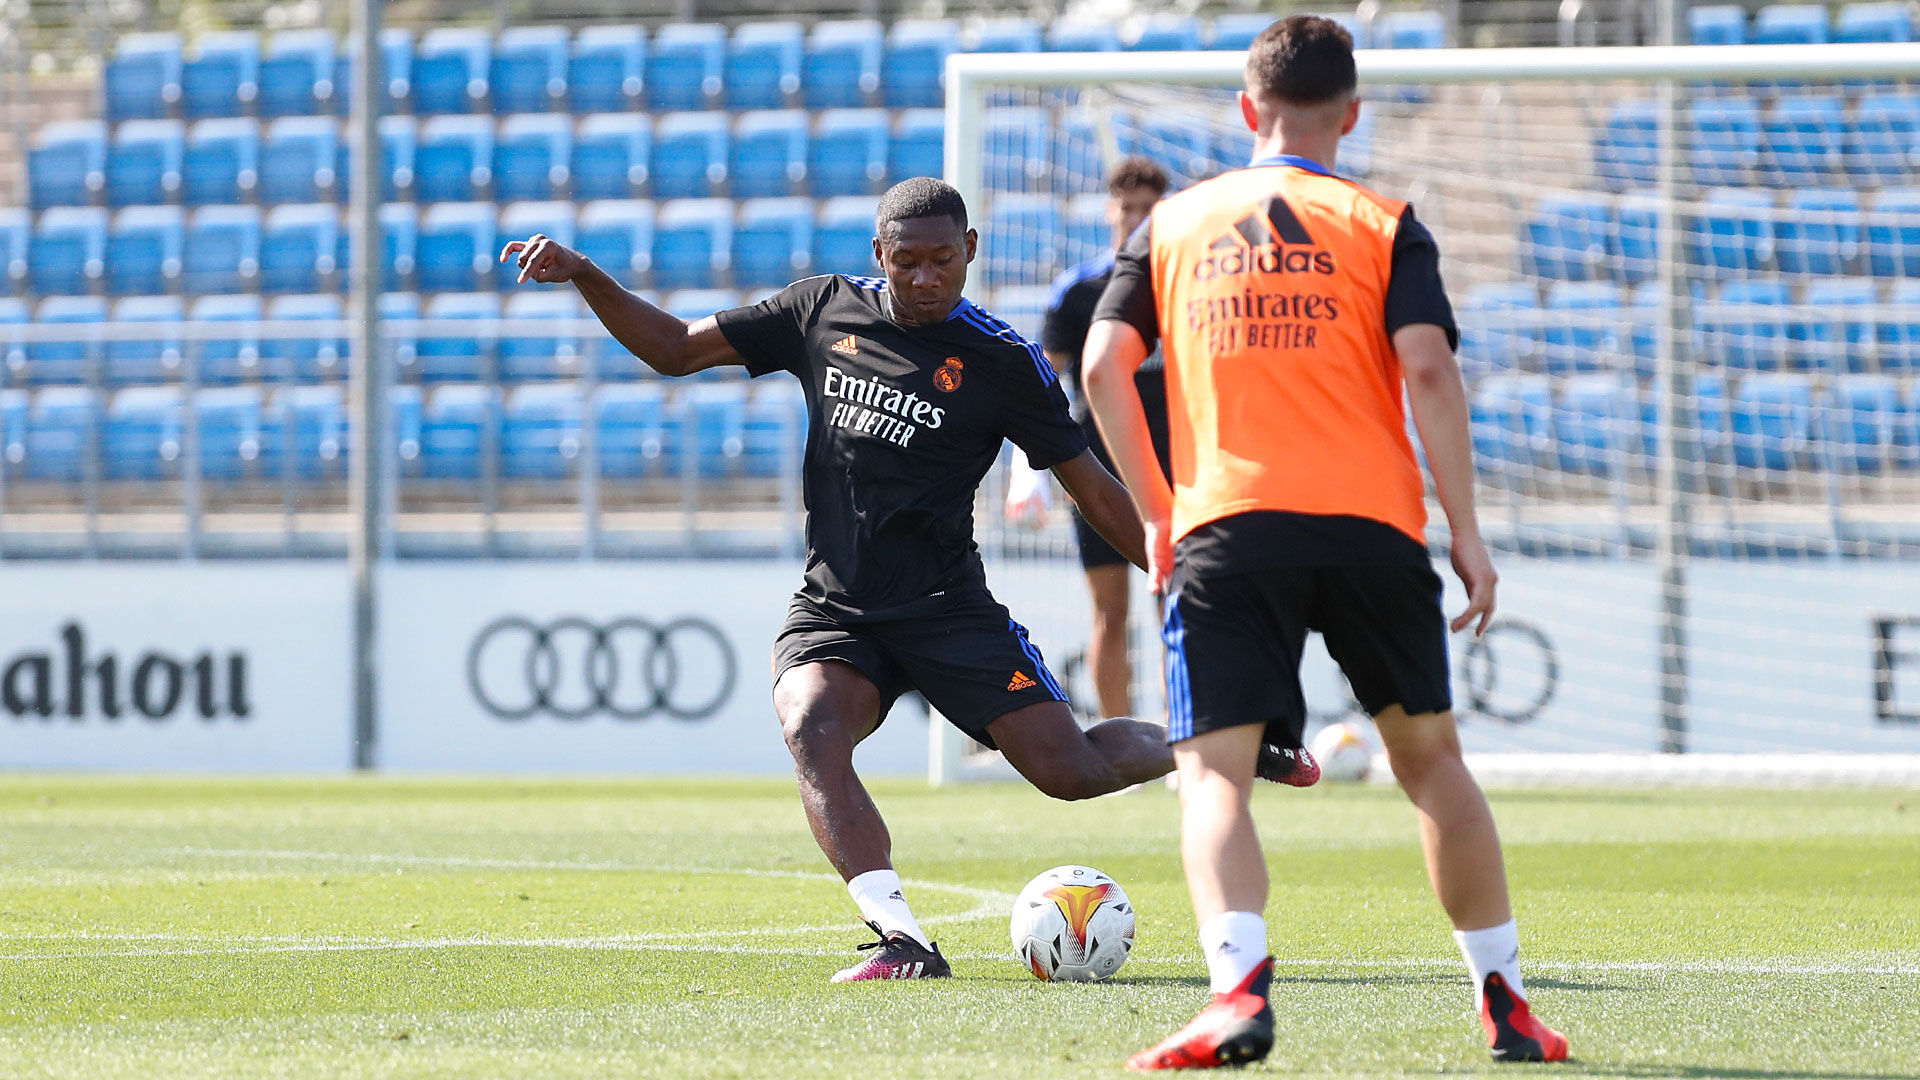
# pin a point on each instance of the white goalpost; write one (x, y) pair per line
(1688, 285)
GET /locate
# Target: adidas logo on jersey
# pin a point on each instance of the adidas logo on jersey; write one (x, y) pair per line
(846, 346)
(1021, 681)
(1272, 242)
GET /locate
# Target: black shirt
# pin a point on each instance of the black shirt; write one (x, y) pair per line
(902, 424)
(1070, 307)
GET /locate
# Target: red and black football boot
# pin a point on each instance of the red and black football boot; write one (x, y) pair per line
(1512, 1031)
(1293, 767)
(1235, 1029)
(897, 956)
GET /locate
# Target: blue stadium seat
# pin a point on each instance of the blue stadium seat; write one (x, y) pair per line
(1734, 232)
(144, 161)
(1718, 24)
(914, 70)
(716, 413)
(530, 70)
(774, 428)
(849, 154)
(843, 236)
(533, 156)
(1724, 144)
(1237, 31)
(541, 432)
(638, 435)
(222, 162)
(841, 68)
(1078, 159)
(1886, 135)
(1820, 231)
(1627, 153)
(298, 160)
(399, 246)
(1806, 139)
(67, 165)
(1070, 34)
(223, 78)
(763, 65)
(1746, 328)
(240, 441)
(1582, 327)
(145, 360)
(407, 407)
(551, 355)
(222, 250)
(1772, 418)
(143, 434)
(455, 159)
(607, 71)
(521, 220)
(1166, 32)
(1634, 245)
(458, 427)
(144, 246)
(457, 355)
(13, 351)
(611, 155)
(1890, 20)
(768, 156)
(313, 431)
(1409, 30)
(143, 77)
(1566, 239)
(68, 249)
(13, 427)
(617, 234)
(1499, 326)
(398, 310)
(396, 59)
(773, 242)
(450, 70)
(456, 250)
(1893, 233)
(919, 144)
(689, 155)
(1176, 142)
(1790, 24)
(399, 155)
(67, 361)
(1899, 335)
(57, 437)
(235, 358)
(1084, 226)
(308, 357)
(1022, 240)
(1835, 336)
(16, 228)
(1871, 426)
(1016, 147)
(299, 75)
(1511, 422)
(684, 70)
(1596, 425)
(1007, 34)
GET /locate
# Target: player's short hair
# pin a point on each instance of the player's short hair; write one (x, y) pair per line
(1137, 172)
(919, 197)
(1302, 60)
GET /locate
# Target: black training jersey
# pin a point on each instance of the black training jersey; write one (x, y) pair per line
(902, 424)
(1063, 333)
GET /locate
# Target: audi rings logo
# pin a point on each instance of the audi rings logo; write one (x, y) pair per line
(572, 668)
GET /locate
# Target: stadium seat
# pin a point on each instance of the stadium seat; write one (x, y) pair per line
(1893, 233)
(1078, 160)
(399, 155)
(774, 428)
(716, 415)
(67, 251)
(68, 360)
(533, 156)
(1899, 335)
(843, 236)
(145, 360)
(222, 161)
(457, 355)
(314, 431)
(456, 248)
(1746, 328)
(541, 431)
(1007, 34)
(1511, 421)
(773, 242)
(143, 77)
(1805, 139)
(13, 351)
(1597, 425)
(16, 229)
(222, 250)
(689, 155)
(763, 65)
(223, 78)
(685, 69)
(617, 234)
(144, 246)
(1719, 24)
(1409, 30)
(914, 70)
(1017, 138)
(841, 68)
(144, 161)
(1734, 232)
(396, 60)
(1835, 335)
(459, 429)
(918, 147)
(637, 435)
(298, 159)
(143, 434)
(1627, 152)
(692, 243)
(1790, 24)
(231, 359)
(551, 355)
(299, 74)
(691, 304)
(530, 70)
(1499, 326)
(1566, 239)
(1084, 226)
(399, 246)
(455, 160)
(1820, 231)
(1890, 20)
(607, 71)
(1184, 147)
(520, 220)
(1724, 141)
(310, 357)
(402, 340)
(849, 152)
(1633, 246)
(56, 439)
(1772, 422)
(450, 70)
(1582, 327)
(768, 155)
(1022, 240)
(239, 439)
(406, 427)
(1237, 31)
(1886, 135)
(1869, 426)
(67, 165)
(1074, 34)
(1165, 32)
(611, 154)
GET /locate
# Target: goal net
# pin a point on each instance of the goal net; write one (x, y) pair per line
(1688, 288)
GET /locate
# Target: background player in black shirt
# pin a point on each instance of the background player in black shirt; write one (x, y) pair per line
(910, 391)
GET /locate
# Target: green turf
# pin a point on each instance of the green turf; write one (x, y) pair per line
(679, 929)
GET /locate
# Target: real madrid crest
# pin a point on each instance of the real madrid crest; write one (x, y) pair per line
(946, 378)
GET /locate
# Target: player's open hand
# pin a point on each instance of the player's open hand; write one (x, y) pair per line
(1475, 567)
(542, 258)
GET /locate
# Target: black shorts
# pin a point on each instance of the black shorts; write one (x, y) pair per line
(1234, 641)
(972, 662)
(1094, 549)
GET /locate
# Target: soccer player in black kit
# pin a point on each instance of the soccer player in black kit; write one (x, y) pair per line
(910, 391)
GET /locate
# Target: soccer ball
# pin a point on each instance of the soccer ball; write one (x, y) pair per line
(1343, 751)
(1072, 924)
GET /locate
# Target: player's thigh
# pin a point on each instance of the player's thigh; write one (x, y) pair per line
(1417, 739)
(1233, 655)
(974, 664)
(1111, 592)
(1385, 627)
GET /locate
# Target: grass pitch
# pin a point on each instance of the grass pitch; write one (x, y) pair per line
(391, 927)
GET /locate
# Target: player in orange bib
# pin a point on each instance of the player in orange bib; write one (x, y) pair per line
(1293, 307)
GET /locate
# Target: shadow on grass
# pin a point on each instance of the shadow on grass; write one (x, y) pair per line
(1710, 1072)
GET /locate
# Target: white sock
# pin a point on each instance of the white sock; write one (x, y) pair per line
(1234, 942)
(1497, 948)
(878, 895)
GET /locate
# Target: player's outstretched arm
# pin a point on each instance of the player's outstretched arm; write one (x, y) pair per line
(1439, 400)
(1115, 350)
(664, 342)
(1105, 504)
